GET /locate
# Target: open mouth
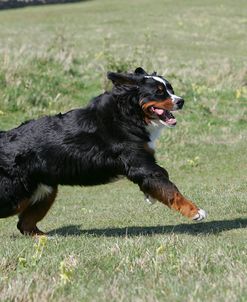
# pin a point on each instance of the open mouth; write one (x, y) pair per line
(165, 116)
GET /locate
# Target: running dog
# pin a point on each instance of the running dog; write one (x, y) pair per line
(113, 136)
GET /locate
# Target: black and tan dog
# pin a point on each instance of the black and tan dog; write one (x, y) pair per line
(113, 136)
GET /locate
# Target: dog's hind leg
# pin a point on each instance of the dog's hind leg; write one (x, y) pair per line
(34, 212)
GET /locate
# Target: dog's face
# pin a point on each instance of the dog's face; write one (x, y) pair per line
(156, 96)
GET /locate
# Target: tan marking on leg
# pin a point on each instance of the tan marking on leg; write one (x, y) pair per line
(23, 204)
(184, 206)
(34, 213)
(175, 200)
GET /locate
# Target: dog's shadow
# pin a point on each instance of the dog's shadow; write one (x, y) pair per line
(204, 228)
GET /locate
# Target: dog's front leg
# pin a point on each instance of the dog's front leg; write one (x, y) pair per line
(153, 181)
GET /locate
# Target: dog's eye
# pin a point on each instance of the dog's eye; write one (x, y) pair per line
(160, 89)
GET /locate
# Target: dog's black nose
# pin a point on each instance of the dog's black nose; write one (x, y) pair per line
(180, 103)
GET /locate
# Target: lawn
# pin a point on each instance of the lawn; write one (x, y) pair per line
(106, 243)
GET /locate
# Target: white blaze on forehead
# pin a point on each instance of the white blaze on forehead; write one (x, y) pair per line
(158, 79)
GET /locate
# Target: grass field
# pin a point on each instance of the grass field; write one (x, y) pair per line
(106, 243)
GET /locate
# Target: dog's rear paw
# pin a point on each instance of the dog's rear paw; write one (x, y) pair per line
(200, 215)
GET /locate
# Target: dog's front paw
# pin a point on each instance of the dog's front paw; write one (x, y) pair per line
(201, 214)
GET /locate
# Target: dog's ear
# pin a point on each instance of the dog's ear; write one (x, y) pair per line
(140, 70)
(123, 79)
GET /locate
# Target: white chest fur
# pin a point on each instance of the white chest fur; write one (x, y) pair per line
(154, 129)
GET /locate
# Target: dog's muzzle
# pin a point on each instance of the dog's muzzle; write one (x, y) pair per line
(178, 103)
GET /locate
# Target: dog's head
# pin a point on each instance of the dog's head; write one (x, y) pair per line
(155, 95)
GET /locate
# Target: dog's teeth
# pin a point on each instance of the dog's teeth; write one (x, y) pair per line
(200, 215)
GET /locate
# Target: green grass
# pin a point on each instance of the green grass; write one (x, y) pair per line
(107, 243)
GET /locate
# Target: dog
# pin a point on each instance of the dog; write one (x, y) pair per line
(113, 136)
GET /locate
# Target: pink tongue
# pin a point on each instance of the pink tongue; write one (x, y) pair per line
(165, 118)
(158, 111)
(171, 121)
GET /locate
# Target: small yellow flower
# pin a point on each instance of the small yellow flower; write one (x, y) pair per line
(160, 250)
(241, 92)
(238, 93)
(22, 261)
(67, 269)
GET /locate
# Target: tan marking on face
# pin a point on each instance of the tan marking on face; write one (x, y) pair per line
(166, 104)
